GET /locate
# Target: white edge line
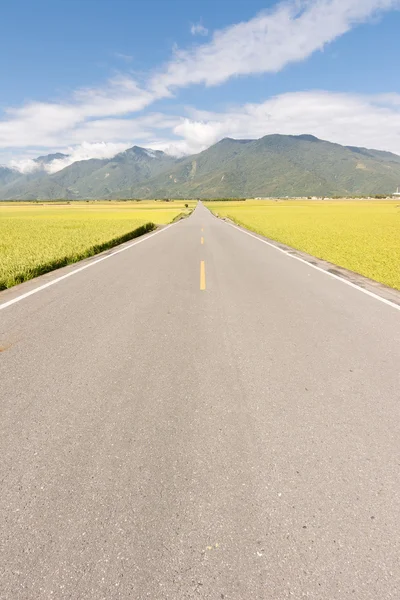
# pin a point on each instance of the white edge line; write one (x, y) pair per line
(345, 281)
(75, 271)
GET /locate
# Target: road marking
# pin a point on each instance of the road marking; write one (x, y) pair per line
(202, 228)
(75, 271)
(202, 240)
(345, 281)
(202, 275)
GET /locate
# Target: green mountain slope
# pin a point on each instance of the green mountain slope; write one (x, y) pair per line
(275, 165)
(94, 178)
(125, 170)
(31, 185)
(278, 165)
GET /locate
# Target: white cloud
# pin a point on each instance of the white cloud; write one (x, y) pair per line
(109, 130)
(125, 57)
(290, 32)
(85, 151)
(175, 147)
(198, 29)
(51, 124)
(370, 121)
(25, 165)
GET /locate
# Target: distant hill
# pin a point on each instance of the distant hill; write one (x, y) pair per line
(7, 176)
(103, 178)
(49, 158)
(275, 165)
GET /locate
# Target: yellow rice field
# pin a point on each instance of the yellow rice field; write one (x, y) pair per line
(38, 237)
(363, 236)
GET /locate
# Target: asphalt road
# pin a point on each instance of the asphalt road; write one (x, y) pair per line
(163, 441)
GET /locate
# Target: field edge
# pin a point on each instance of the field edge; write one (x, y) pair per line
(64, 261)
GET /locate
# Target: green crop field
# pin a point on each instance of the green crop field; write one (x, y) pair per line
(38, 237)
(363, 236)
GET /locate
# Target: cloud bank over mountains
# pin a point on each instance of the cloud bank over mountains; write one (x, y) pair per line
(99, 122)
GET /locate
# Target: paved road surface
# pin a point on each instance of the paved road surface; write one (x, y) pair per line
(166, 442)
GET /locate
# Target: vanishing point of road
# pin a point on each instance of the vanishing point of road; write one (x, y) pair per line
(198, 415)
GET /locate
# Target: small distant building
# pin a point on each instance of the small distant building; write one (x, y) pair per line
(396, 194)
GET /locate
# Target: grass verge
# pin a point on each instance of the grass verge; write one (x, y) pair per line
(41, 269)
(182, 215)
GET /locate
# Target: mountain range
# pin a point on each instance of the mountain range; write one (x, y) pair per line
(274, 165)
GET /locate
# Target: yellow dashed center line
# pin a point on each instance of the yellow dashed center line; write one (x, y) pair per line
(202, 275)
(201, 240)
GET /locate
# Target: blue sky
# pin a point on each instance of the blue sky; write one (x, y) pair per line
(92, 77)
